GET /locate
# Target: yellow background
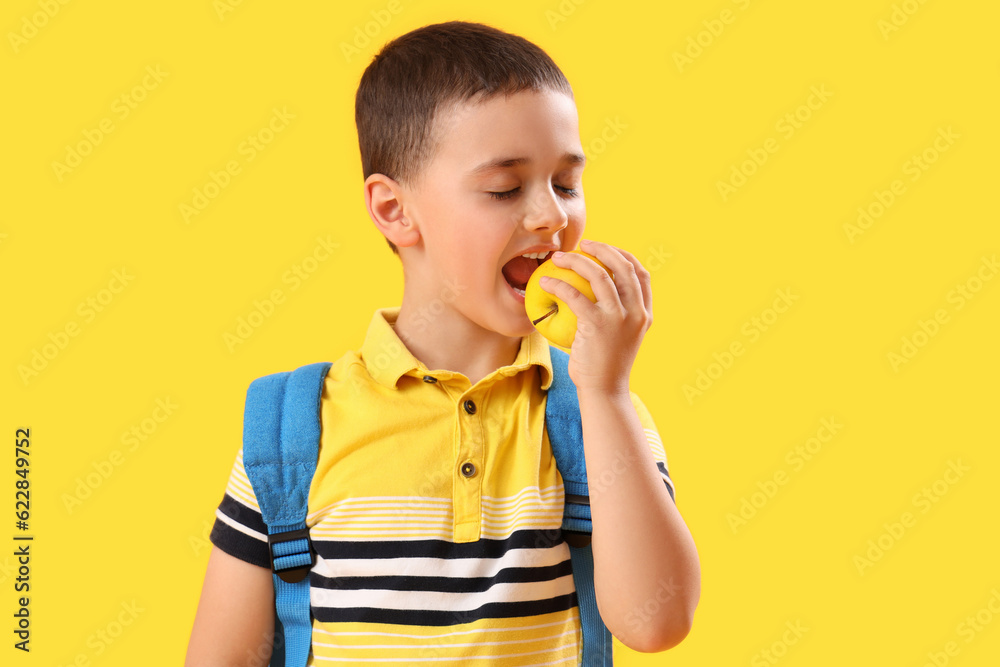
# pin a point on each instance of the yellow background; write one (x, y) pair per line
(661, 133)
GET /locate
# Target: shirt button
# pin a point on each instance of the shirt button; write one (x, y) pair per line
(470, 407)
(429, 378)
(468, 469)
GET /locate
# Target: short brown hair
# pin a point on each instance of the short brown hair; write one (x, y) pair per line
(416, 74)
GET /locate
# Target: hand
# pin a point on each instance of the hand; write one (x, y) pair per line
(610, 331)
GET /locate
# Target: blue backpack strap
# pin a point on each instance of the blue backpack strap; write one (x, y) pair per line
(562, 423)
(281, 429)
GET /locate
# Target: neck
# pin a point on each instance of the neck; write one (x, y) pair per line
(443, 339)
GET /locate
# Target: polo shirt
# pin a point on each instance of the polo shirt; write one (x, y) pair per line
(435, 513)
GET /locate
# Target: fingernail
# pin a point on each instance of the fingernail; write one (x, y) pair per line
(557, 253)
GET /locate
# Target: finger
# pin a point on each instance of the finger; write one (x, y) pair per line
(645, 281)
(571, 296)
(625, 282)
(601, 284)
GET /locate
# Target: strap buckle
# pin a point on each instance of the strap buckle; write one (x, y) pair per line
(292, 554)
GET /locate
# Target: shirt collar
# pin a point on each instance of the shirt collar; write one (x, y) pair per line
(387, 358)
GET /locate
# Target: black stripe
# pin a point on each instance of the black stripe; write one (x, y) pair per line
(483, 548)
(444, 584)
(240, 513)
(438, 617)
(663, 469)
(240, 545)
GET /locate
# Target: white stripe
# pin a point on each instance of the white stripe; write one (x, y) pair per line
(554, 662)
(550, 520)
(240, 527)
(390, 503)
(445, 645)
(238, 488)
(507, 517)
(519, 628)
(503, 534)
(450, 659)
(393, 499)
(379, 510)
(656, 445)
(534, 491)
(456, 602)
(380, 525)
(522, 510)
(352, 533)
(456, 568)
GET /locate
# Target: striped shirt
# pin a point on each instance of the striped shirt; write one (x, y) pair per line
(435, 513)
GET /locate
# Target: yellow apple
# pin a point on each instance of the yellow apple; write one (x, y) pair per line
(550, 315)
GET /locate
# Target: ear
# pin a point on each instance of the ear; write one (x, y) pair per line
(384, 198)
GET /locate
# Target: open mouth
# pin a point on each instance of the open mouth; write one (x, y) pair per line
(518, 271)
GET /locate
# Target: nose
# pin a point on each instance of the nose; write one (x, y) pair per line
(545, 212)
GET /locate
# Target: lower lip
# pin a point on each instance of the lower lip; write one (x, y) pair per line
(510, 288)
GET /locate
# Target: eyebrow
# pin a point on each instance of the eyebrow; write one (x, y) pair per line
(505, 163)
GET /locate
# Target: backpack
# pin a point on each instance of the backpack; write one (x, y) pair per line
(281, 430)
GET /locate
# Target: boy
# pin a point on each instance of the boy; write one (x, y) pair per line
(436, 504)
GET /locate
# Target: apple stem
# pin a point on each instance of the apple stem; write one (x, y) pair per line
(551, 312)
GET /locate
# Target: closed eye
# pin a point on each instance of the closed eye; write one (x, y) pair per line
(569, 192)
(504, 195)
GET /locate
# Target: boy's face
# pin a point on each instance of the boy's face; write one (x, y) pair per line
(505, 177)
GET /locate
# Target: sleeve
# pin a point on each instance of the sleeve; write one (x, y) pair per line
(655, 444)
(239, 528)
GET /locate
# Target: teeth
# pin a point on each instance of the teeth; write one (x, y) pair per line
(535, 255)
(521, 292)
